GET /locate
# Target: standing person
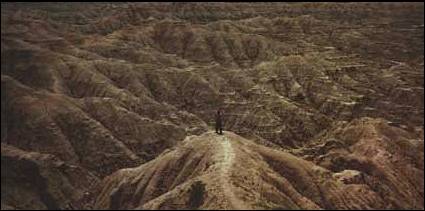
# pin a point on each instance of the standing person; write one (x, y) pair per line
(218, 122)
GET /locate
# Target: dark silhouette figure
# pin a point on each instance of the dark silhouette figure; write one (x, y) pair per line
(218, 122)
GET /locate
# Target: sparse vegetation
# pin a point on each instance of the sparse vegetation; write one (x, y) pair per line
(197, 195)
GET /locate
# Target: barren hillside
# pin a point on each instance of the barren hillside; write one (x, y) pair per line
(111, 105)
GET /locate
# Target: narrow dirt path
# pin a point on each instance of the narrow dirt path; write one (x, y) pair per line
(226, 162)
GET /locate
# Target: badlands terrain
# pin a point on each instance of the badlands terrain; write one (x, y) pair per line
(111, 105)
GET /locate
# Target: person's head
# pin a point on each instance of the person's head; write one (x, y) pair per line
(218, 111)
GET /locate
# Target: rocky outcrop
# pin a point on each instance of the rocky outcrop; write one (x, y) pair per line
(239, 174)
(31, 180)
(388, 159)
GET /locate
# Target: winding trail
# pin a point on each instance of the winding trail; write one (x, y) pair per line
(226, 161)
